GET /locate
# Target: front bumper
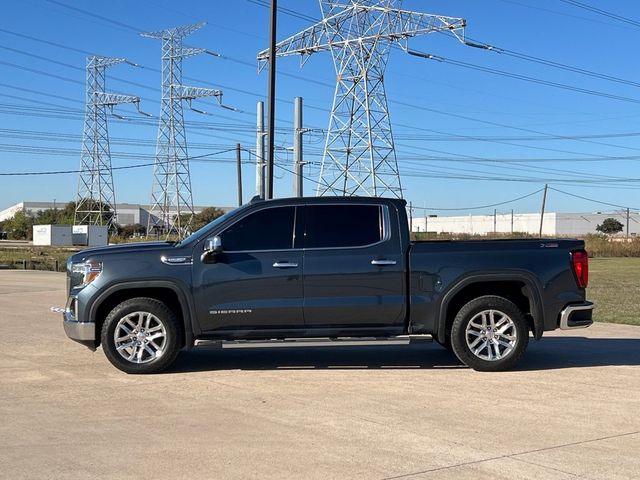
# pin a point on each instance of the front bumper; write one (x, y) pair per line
(82, 332)
(576, 316)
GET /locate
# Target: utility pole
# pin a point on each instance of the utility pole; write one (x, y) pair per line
(512, 221)
(96, 193)
(359, 154)
(239, 172)
(171, 197)
(627, 222)
(495, 220)
(410, 217)
(544, 202)
(260, 157)
(272, 98)
(297, 148)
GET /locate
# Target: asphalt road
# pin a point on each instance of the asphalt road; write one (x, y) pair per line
(571, 409)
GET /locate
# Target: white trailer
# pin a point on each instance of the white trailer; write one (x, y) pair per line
(90, 235)
(52, 235)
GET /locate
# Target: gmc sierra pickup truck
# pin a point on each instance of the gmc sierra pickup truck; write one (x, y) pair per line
(327, 269)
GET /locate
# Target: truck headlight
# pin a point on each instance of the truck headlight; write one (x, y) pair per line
(89, 270)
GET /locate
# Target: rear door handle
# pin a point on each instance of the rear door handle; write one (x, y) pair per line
(383, 262)
(285, 265)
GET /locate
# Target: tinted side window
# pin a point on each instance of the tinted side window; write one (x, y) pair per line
(342, 225)
(268, 229)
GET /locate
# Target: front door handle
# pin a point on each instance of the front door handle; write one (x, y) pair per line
(383, 262)
(285, 265)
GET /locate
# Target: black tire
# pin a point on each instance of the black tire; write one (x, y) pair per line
(512, 335)
(164, 330)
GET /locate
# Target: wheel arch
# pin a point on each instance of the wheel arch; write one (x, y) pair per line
(167, 292)
(521, 288)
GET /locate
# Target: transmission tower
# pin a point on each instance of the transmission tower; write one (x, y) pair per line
(171, 198)
(359, 155)
(96, 204)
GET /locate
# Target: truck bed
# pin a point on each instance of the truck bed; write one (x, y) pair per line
(539, 268)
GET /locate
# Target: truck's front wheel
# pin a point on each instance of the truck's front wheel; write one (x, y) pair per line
(141, 335)
(489, 333)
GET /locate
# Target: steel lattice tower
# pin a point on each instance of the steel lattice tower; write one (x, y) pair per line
(96, 194)
(171, 196)
(359, 156)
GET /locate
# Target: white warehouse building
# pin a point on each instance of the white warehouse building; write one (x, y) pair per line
(555, 224)
(128, 213)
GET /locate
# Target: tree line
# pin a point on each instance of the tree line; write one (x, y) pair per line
(20, 226)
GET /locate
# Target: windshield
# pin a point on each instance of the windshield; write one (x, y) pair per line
(212, 224)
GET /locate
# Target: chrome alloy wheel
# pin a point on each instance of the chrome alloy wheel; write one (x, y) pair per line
(140, 337)
(491, 335)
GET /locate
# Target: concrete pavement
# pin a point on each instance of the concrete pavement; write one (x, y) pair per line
(571, 409)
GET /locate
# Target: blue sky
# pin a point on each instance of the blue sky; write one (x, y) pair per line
(464, 137)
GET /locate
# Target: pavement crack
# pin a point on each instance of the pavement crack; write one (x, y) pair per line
(512, 455)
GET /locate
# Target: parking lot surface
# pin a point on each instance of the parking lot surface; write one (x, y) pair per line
(570, 410)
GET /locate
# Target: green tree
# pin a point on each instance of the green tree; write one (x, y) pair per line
(20, 226)
(206, 215)
(127, 231)
(610, 226)
(200, 219)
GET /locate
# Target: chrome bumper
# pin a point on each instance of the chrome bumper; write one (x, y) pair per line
(80, 331)
(83, 332)
(576, 316)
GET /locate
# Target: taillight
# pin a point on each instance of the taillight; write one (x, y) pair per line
(580, 261)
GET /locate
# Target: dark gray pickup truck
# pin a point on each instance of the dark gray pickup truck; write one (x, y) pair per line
(327, 269)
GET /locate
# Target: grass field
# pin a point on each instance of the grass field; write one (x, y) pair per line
(614, 283)
(36, 258)
(614, 286)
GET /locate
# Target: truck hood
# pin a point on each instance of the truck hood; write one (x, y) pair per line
(121, 248)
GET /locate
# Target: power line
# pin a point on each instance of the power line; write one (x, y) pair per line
(564, 14)
(480, 207)
(593, 200)
(125, 167)
(547, 62)
(605, 13)
(517, 76)
(95, 15)
(322, 83)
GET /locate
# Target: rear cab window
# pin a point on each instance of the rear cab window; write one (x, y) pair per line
(343, 226)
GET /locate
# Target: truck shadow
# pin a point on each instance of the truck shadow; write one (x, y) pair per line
(548, 354)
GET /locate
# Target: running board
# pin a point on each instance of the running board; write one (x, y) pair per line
(317, 342)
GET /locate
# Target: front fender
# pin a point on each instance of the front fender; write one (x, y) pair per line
(181, 291)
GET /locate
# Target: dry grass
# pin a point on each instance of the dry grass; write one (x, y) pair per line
(36, 258)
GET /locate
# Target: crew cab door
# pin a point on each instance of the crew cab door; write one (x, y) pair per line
(256, 281)
(353, 266)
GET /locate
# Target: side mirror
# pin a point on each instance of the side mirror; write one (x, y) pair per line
(213, 245)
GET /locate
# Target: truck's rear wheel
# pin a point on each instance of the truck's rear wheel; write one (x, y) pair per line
(141, 335)
(489, 333)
